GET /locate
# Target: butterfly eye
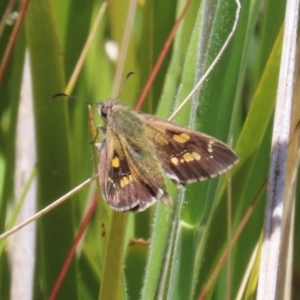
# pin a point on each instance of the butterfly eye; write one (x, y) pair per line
(104, 111)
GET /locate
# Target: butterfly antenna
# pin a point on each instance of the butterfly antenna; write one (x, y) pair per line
(123, 84)
(72, 97)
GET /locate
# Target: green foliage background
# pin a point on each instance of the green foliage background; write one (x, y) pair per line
(166, 252)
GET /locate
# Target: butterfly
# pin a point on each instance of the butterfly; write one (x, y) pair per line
(138, 150)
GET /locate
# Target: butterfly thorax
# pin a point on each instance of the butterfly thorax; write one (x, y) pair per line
(126, 124)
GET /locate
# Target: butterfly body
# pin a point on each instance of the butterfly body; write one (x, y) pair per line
(139, 149)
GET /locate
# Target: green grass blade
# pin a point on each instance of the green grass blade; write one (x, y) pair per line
(54, 167)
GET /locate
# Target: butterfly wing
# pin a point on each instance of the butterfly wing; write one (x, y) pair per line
(187, 155)
(126, 184)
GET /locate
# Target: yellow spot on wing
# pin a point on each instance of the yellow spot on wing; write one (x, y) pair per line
(115, 162)
(174, 161)
(196, 155)
(125, 180)
(188, 157)
(181, 138)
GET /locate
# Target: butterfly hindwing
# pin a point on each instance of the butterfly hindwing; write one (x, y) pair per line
(186, 155)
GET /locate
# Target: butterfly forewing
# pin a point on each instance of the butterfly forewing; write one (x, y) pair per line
(114, 178)
(188, 156)
(128, 178)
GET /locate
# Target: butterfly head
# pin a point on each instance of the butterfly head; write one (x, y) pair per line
(106, 107)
